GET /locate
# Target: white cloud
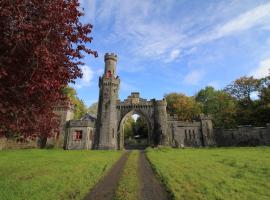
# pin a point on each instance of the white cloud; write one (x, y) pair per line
(148, 31)
(173, 55)
(88, 75)
(258, 16)
(193, 77)
(262, 70)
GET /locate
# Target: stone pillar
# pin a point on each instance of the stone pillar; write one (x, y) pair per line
(207, 130)
(65, 113)
(160, 129)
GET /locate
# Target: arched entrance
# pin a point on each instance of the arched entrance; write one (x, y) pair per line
(135, 142)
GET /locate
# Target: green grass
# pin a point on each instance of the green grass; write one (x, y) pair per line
(128, 186)
(51, 174)
(218, 173)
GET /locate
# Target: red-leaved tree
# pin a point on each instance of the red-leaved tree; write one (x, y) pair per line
(41, 43)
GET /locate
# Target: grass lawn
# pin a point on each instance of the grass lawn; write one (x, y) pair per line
(51, 174)
(214, 173)
(128, 186)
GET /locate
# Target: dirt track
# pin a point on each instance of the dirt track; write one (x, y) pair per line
(105, 189)
(150, 187)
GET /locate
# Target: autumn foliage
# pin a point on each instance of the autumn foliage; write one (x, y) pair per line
(41, 43)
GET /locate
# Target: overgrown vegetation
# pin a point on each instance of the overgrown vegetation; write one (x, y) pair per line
(80, 107)
(224, 173)
(246, 101)
(51, 174)
(128, 187)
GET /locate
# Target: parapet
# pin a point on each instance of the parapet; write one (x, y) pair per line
(110, 56)
(161, 102)
(205, 117)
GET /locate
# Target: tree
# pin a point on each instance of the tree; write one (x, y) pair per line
(248, 110)
(264, 92)
(41, 45)
(141, 127)
(80, 107)
(220, 105)
(93, 109)
(185, 107)
(129, 127)
(243, 87)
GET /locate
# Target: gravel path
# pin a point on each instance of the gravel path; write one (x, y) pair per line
(151, 188)
(105, 189)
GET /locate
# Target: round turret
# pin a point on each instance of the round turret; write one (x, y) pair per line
(110, 64)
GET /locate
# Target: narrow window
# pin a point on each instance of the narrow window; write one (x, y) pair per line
(113, 133)
(109, 74)
(91, 135)
(77, 135)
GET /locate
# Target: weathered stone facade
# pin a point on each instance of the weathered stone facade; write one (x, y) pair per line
(107, 130)
(193, 134)
(80, 134)
(243, 136)
(65, 112)
(162, 129)
(153, 111)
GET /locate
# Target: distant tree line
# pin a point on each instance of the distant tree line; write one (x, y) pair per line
(245, 101)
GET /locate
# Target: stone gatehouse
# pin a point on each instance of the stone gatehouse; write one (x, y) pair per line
(106, 131)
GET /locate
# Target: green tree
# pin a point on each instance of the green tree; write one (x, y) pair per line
(261, 114)
(141, 127)
(93, 108)
(243, 88)
(251, 111)
(183, 106)
(220, 105)
(80, 107)
(129, 127)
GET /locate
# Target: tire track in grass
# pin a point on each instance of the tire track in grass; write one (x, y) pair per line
(107, 186)
(128, 186)
(151, 187)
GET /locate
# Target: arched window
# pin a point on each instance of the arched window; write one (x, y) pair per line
(109, 74)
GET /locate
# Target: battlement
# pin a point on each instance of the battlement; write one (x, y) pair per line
(110, 56)
(205, 117)
(161, 102)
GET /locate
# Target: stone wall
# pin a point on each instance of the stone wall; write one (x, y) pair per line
(243, 136)
(86, 128)
(185, 133)
(12, 144)
(65, 113)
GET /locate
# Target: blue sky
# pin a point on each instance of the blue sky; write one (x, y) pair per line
(176, 45)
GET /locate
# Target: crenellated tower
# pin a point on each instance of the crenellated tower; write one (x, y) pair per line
(106, 127)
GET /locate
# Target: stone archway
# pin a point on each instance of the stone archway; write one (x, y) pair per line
(120, 129)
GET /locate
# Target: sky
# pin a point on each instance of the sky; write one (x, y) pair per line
(175, 45)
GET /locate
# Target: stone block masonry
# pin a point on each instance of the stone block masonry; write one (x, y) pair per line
(243, 136)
